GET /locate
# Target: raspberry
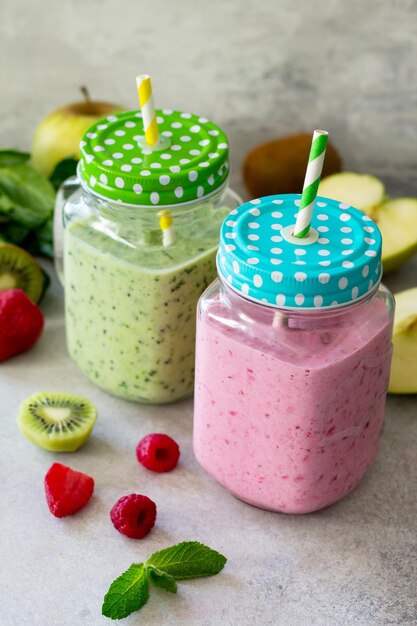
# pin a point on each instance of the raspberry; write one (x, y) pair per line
(67, 490)
(21, 323)
(158, 453)
(134, 515)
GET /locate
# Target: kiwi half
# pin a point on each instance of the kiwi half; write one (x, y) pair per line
(60, 422)
(279, 166)
(19, 270)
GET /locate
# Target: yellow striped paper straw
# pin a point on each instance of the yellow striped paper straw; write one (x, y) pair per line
(166, 224)
(311, 183)
(147, 107)
(150, 126)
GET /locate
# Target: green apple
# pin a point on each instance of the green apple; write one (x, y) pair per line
(361, 191)
(404, 360)
(397, 220)
(58, 135)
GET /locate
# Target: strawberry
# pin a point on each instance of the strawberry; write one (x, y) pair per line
(21, 323)
(67, 491)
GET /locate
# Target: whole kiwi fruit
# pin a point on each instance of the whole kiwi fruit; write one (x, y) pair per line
(279, 166)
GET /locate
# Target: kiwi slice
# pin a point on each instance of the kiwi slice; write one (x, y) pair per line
(57, 421)
(19, 270)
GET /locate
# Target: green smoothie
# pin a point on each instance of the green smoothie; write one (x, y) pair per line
(141, 226)
(130, 310)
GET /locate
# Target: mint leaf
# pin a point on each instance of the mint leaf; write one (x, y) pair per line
(161, 579)
(189, 559)
(128, 593)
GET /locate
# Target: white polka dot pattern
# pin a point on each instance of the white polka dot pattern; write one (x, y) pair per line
(333, 271)
(190, 163)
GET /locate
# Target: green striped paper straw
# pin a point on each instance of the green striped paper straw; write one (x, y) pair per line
(311, 183)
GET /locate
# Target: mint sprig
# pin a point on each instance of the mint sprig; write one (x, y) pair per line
(130, 591)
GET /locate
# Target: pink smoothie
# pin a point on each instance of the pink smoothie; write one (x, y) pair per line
(290, 420)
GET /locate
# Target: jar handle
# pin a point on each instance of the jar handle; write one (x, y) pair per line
(65, 190)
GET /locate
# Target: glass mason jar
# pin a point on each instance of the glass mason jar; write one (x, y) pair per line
(291, 380)
(136, 249)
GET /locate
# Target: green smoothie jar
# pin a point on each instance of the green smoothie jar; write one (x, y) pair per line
(136, 236)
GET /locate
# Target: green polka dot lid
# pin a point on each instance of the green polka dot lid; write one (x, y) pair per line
(191, 161)
(338, 263)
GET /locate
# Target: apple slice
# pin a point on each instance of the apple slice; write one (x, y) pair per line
(397, 220)
(361, 191)
(404, 360)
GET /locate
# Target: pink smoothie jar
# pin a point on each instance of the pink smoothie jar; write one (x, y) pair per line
(293, 355)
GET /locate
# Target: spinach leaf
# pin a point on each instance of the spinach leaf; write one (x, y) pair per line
(13, 232)
(13, 157)
(40, 241)
(26, 196)
(65, 169)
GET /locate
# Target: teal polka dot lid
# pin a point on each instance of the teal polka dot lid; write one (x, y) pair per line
(338, 263)
(191, 162)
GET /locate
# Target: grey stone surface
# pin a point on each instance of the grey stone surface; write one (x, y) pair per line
(352, 564)
(260, 69)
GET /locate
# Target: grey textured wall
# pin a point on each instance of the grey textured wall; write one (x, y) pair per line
(261, 68)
